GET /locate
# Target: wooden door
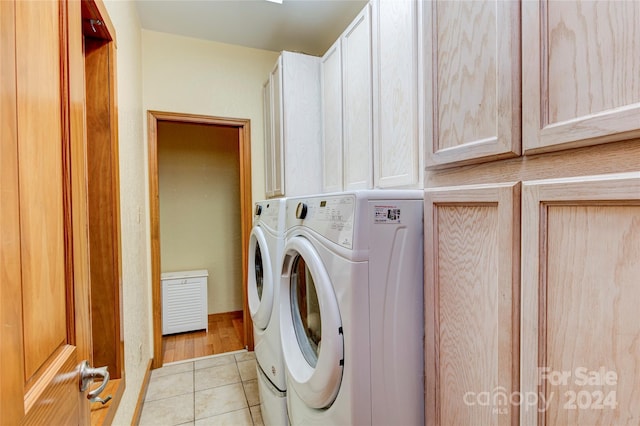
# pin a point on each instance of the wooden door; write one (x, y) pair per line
(471, 54)
(44, 267)
(581, 73)
(471, 304)
(580, 292)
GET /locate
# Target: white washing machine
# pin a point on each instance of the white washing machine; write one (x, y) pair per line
(266, 243)
(351, 308)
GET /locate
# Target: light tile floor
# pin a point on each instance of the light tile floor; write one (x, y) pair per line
(217, 390)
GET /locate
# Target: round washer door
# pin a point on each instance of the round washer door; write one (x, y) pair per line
(310, 325)
(260, 280)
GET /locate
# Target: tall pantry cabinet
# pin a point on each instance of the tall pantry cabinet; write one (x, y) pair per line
(532, 242)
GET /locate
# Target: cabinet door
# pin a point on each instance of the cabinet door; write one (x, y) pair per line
(277, 159)
(580, 293)
(301, 118)
(395, 92)
(471, 303)
(472, 81)
(268, 139)
(357, 103)
(581, 73)
(331, 81)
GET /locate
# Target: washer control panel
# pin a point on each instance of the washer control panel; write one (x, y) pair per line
(332, 217)
(267, 212)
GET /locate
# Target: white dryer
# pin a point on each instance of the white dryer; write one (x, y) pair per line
(351, 308)
(266, 243)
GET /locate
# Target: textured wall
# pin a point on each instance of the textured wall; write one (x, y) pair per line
(187, 75)
(136, 281)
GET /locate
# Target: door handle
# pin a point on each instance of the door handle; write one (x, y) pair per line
(87, 375)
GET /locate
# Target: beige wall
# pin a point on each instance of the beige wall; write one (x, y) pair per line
(136, 281)
(199, 180)
(188, 75)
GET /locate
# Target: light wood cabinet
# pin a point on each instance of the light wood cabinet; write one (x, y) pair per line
(471, 301)
(397, 147)
(580, 293)
(293, 129)
(581, 73)
(551, 319)
(562, 228)
(357, 103)
(471, 58)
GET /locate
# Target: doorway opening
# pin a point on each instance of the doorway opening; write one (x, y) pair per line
(202, 129)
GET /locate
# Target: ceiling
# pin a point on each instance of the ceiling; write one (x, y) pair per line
(308, 26)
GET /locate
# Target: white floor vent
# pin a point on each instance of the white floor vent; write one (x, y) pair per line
(184, 301)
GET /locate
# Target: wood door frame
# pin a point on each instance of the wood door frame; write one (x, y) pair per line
(244, 148)
(103, 183)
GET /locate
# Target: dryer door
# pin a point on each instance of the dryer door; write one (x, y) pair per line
(310, 325)
(260, 281)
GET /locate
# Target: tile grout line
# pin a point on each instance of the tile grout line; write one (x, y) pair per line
(244, 392)
(253, 422)
(193, 389)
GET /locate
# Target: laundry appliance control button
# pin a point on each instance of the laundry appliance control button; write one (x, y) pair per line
(301, 211)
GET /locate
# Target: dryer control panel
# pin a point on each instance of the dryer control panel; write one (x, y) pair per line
(332, 217)
(267, 213)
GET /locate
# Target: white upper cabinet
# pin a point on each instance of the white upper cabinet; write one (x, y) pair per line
(357, 103)
(471, 70)
(275, 161)
(293, 129)
(581, 73)
(331, 72)
(347, 117)
(370, 101)
(268, 139)
(397, 149)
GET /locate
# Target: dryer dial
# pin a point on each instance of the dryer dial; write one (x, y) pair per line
(301, 211)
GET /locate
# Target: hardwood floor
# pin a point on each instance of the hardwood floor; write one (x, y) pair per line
(225, 334)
